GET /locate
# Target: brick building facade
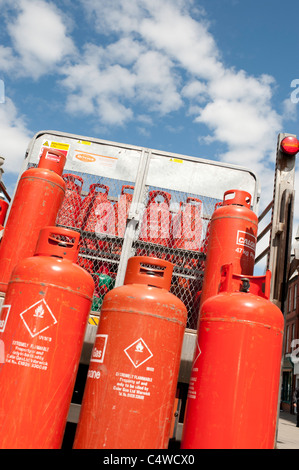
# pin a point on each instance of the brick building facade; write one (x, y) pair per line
(290, 371)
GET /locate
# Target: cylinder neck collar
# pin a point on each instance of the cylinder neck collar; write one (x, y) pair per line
(257, 285)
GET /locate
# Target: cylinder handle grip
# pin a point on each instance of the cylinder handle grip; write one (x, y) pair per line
(59, 242)
(151, 271)
(237, 197)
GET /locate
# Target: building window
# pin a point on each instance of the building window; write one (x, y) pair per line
(286, 387)
(290, 299)
(287, 339)
(295, 296)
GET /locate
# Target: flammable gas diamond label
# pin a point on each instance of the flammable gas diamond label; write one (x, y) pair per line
(38, 318)
(138, 352)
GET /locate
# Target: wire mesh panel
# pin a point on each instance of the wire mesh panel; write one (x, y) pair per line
(174, 227)
(99, 212)
(127, 200)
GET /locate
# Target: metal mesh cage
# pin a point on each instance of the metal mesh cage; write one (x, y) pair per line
(128, 201)
(173, 227)
(98, 209)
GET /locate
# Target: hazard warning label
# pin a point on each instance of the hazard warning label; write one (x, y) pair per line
(138, 352)
(4, 316)
(38, 318)
(98, 352)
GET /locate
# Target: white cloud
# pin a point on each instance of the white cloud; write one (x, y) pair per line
(125, 51)
(7, 59)
(39, 36)
(156, 58)
(15, 137)
(156, 82)
(169, 43)
(241, 126)
(98, 77)
(187, 41)
(99, 88)
(195, 90)
(113, 112)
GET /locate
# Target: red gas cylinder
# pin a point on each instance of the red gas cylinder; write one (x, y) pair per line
(187, 225)
(37, 200)
(132, 378)
(71, 205)
(233, 390)
(204, 246)
(156, 223)
(232, 239)
(121, 209)
(3, 210)
(43, 322)
(97, 216)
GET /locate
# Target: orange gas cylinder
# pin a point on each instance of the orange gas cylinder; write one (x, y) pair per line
(43, 323)
(121, 209)
(232, 239)
(3, 210)
(186, 234)
(204, 246)
(234, 384)
(131, 383)
(156, 223)
(187, 225)
(71, 204)
(97, 216)
(36, 203)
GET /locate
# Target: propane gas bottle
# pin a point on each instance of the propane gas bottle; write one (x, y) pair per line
(131, 383)
(42, 321)
(3, 210)
(71, 205)
(36, 203)
(187, 225)
(156, 222)
(232, 239)
(121, 209)
(97, 216)
(233, 390)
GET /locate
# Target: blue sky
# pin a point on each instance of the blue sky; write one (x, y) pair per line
(206, 78)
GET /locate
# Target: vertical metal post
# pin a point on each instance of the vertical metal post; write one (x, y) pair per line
(281, 236)
(282, 221)
(134, 216)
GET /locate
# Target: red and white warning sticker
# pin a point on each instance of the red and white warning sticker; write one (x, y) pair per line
(138, 352)
(99, 349)
(4, 316)
(38, 318)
